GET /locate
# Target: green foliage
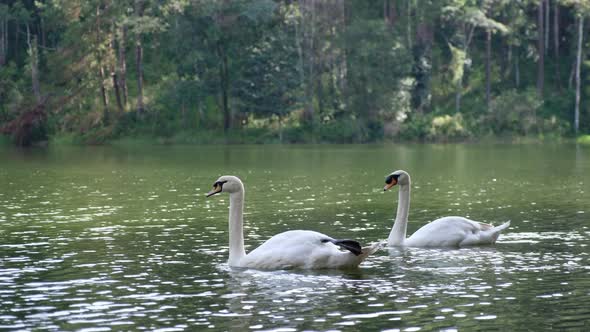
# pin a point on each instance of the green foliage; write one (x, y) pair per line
(4, 141)
(415, 128)
(10, 94)
(297, 134)
(447, 128)
(269, 82)
(343, 131)
(285, 71)
(514, 112)
(377, 62)
(584, 140)
(457, 64)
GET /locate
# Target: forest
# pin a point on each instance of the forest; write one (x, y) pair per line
(292, 71)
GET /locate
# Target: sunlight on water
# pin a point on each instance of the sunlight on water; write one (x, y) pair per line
(126, 240)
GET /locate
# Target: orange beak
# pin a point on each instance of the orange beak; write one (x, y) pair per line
(389, 185)
(216, 189)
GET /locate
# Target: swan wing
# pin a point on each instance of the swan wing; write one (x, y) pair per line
(455, 232)
(304, 249)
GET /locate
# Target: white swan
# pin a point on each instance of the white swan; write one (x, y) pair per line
(442, 232)
(291, 249)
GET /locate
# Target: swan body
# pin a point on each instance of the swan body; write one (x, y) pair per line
(301, 249)
(454, 232)
(291, 249)
(442, 232)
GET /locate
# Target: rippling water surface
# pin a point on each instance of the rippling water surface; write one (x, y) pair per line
(107, 238)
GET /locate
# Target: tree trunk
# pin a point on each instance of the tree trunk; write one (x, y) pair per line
(458, 96)
(280, 128)
(509, 62)
(468, 36)
(578, 65)
(122, 65)
(541, 50)
(224, 86)
(517, 70)
(16, 35)
(43, 32)
(409, 25)
(139, 68)
(422, 68)
(113, 70)
(185, 123)
(556, 43)
(117, 92)
(101, 69)
(572, 75)
(299, 46)
(299, 40)
(310, 38)
(488, 66)
(319, 88)
(3, 40)
(547, 23)
(104, 96)
(139, 61)
(225, 91)
(343, 65)
(34, 63)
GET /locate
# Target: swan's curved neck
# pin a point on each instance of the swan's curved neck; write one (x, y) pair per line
(398, 232)
(236, 227)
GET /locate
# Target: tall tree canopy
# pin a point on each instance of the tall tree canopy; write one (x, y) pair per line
(292, 70)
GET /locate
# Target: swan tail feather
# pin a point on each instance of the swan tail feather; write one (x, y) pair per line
(502, 227)
(495, 231)
(485, 226)
(350, 245)
(366, 251)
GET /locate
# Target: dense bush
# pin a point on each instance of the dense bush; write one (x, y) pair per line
(514, 112)
(446, 128)
(415, 128)
(584, 140)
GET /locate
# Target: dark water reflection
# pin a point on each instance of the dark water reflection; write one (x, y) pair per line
(103, 239)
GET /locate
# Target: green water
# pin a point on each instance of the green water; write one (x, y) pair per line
(107, 238)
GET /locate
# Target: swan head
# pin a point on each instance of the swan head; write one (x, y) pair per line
(398, 177)
(226, 184)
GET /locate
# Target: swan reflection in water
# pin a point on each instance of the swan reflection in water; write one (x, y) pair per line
(290, 296)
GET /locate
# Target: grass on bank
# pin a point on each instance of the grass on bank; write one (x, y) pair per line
(206, 137)
(584, 140)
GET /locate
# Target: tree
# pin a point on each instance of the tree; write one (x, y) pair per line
(139, 56)
(236, 27)
(334, 70)
(540, 48)
(269, 83)
(465, 17)
(582, 10)
(4, 18)
(426, 15)
(377, 64)
(556, 42)
(578, 65)
(34, 65)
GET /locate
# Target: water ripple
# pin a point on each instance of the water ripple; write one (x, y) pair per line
(138, 247)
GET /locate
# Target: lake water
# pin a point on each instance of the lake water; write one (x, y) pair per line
(108, 238)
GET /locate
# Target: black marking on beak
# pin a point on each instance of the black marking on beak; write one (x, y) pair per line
(389, 179)
(219, 183)
(217, 188)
